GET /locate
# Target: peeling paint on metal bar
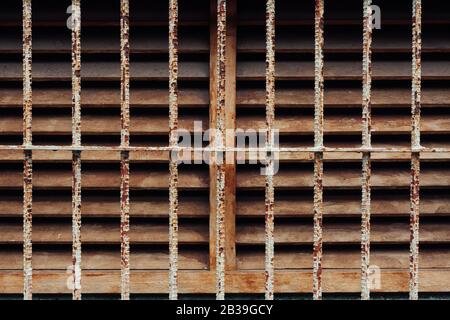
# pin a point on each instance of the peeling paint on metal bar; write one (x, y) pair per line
(27, 162)
(76, 142)
(366, 143)
(219, 144)
(173, 142)
(125, 155)
(212, 149)
(415, 143)
(270, 117)
(318, 156)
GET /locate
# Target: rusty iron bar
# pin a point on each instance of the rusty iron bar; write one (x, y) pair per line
(366, 156)
(212, 150)
(318, 155)
(27, 161)
(125, 155)
(76, 142)
(173, 142)
(270, 117)
(219, 143)
(415, 143)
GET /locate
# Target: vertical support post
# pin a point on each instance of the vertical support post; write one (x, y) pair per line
(366, 156)
(415, 146)
(27, 162)
(270, 117)
(125, 155)
(230, 139)
(318, 154)
(219, 143)
(173, 142)
(76, 142)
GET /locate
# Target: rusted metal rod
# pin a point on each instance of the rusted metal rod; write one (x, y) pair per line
(219, 143)
(212, 149)
(125, 155)
(318, 155)
(76, 142)
(173, 142)
(366, 156)
(415, 143)
(27, 162)
(270, 117)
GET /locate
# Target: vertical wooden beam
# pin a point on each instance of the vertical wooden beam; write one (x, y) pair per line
(230, 125)
(223, 84)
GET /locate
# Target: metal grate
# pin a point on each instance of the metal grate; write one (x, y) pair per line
(219, 148)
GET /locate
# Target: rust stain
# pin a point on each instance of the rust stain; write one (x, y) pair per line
(219, 154)
(366, 156)
(125, 156)
(415, 144)
(173, 142)
(270, 117)
(76, 141)
(27, 162)
(318, 154)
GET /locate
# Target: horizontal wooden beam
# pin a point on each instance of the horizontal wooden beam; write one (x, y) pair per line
(235, 281)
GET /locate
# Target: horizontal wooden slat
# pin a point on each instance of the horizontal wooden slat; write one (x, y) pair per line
(345, 177)
(343, 70)
(104, 97)
(247, 206)
(105, 259)
(287, 124)
(340, 258)
(101, 40)
(248, 70)
(338, 40)
(299, 176)
(189, 206)
(289, 232)
(344, 205)
(148, 178)
(343, 97)
(255, 97)
(140, 233)
(235, 281)
(102, 258)
(104, 71)
(247, 232)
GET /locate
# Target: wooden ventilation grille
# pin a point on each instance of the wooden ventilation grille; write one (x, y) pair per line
(93, 201)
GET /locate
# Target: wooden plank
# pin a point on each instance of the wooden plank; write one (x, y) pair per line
(246, 70)
(103, 40)
(151, 206)
(153, 123)
(335, 205)
(339, 39)
(195, 177)
(246, 98)
(101, 258)
(104, 97)
(248, 232)
(54, 232)
(343, 258)
(251, 282)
